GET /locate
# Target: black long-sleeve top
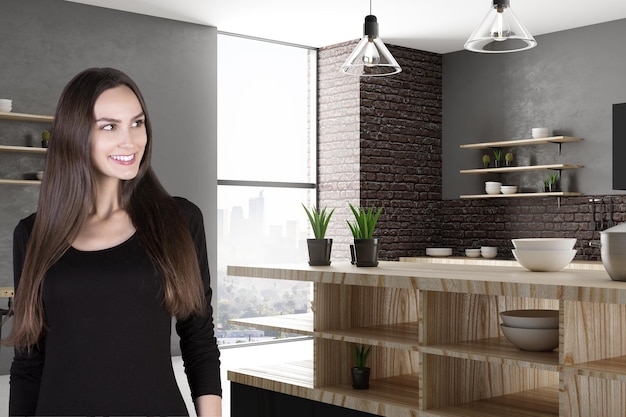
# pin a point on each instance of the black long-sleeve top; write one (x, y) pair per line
(106, 347)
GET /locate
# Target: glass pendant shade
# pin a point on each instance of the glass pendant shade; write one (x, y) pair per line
(371, 58)
(500, 32)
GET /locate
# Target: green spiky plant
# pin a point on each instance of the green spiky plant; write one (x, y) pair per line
(319, 220)
(360, 355)
(497, 153)
(364, 222)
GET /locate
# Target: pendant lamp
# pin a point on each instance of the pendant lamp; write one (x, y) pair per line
(500, 32)
(371, 58)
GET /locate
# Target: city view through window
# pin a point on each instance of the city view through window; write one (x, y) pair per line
(266, 171)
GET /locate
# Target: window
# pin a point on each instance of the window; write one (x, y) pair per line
(266, 171)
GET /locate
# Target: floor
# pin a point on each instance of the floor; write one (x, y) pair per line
(232, 356)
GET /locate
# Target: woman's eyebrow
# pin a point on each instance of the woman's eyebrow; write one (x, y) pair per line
(111, 120)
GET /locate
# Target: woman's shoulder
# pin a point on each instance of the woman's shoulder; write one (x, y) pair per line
(191, 211)
(26, 224)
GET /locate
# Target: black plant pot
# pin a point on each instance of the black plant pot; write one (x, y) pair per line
(360, 378)
(319, 251)
(364, 252)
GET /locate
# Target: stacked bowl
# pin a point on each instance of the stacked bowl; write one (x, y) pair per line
(6, 105)
(544, 254)
(493, 187)
(534, 330)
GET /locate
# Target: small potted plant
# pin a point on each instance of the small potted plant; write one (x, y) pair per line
(360, 372)
(365, 249)
(45, 137)
(319, 247)
(552, 180)
(508, 159)
(486, 161)
(497, 154)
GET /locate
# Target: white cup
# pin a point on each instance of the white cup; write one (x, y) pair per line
(541, 132)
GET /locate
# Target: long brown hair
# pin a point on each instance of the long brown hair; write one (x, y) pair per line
(68, 193)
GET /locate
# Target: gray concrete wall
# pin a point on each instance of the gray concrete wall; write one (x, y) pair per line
(569, 83)
(46, 42)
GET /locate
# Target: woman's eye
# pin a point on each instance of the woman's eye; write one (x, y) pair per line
(138, 123)
(106, 127)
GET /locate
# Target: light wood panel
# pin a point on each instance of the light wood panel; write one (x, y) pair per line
(520, 168)
(520, 142)
(289, 323)
(437, 346)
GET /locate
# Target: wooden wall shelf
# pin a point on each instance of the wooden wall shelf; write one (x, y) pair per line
(520, 142)
(526, 168)
(24, 117)
(518, 195)
(437, 346)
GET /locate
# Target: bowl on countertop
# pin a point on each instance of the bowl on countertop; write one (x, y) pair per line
(438, 251)
(531, 318)
(544, 260)
(472, 253)
(489, 251)
(544, 243)
(536, 340)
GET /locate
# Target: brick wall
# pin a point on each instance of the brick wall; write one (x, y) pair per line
(380, 144)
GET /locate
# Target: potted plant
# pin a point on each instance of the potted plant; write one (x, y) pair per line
(486, 161)
(360, 372)
(497, 154)
(508, 159)
(551, 180)
(45, 137)
(364, 252)
(319, 247)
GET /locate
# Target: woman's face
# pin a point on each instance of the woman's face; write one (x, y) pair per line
(118, 136)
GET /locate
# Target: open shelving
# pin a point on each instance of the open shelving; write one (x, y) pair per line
(437, 348)
(526, 168)
(23, 117)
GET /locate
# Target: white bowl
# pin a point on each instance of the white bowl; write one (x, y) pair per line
(540, 132)
(508, 189)
(472, 253)
(438, 251)
(6, 101)
(544, 260)
(39, 175)
(547, 243)
(489, 251)
(5, 109)
(537, 340)
(531, 318)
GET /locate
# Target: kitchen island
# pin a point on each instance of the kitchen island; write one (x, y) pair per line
(437, 346)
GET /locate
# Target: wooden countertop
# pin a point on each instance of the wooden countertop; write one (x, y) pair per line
(582, 281)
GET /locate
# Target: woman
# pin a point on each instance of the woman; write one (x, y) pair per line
(102, 267)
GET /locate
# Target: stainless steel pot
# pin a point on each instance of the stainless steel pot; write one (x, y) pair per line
(613, 251)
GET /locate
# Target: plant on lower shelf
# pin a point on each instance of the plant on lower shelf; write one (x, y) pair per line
(320, 247)
(364, 251)
(360, 373)
(551, 181)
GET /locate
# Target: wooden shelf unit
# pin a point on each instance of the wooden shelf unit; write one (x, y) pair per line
(527, 168)
(23, 117)
(437, 346)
